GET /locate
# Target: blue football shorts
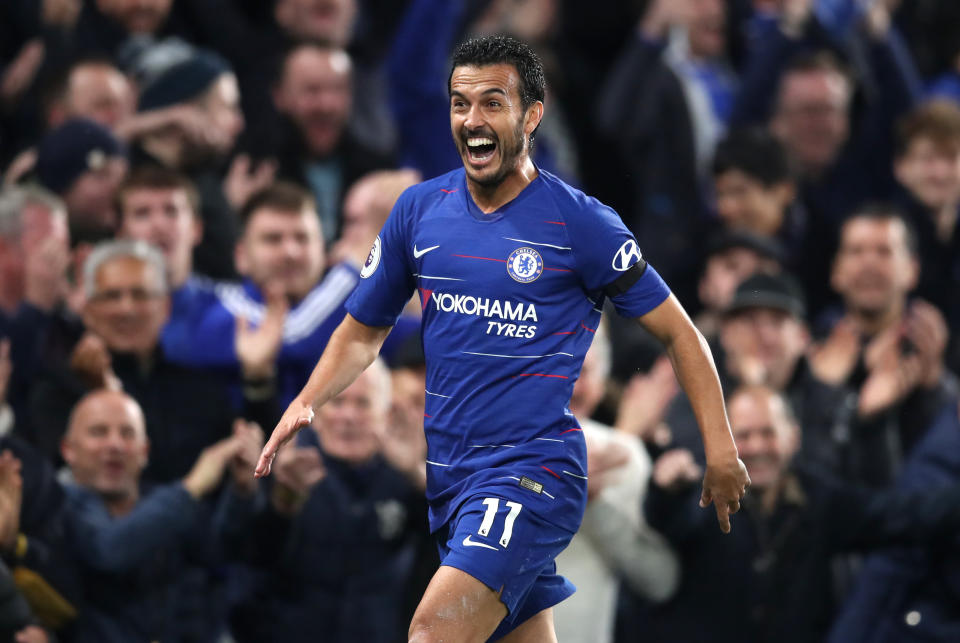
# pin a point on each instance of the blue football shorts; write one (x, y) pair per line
(509, 549)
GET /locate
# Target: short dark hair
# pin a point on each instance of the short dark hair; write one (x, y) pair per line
(155, 177)
(756, 153)
(813, 61)
(883, 212)
(283, 196)
(936, 120)
(498, 50)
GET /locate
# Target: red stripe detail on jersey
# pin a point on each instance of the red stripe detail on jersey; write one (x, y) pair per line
(449, 191)
(550, 472)
(541, 375)
(559, 269)
(484, 258)
(569, 430)
(556, 222)
(425, 297)
(566, 332)
(427, 416)
(592, 330)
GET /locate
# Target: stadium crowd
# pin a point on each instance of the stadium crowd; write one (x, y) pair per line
(190, 188)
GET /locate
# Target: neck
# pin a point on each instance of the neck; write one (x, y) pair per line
(121, 505)
(491, 197)
(945, 222)
(870, 323)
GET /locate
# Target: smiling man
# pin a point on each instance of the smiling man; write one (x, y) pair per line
(512, 266)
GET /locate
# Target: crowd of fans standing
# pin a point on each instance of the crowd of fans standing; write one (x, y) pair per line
(189, 188)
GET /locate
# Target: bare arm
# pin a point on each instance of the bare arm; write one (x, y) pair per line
(725, 480)
(352, 348)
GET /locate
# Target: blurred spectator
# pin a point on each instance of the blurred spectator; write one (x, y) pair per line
(347, 491)
(314, 95)
(665, 103)
(83, 163)
(907, 595)
(127, 306)
(614, 541)
(95, 89)
(203, 89)
(133, 543)
(34, 253)
(775, 562)
(927, 166)
(269, 329)
(886, 351)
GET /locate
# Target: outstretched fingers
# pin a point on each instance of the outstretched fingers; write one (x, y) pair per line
(281, 435)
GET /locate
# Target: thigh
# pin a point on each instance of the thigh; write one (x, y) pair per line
(456, 607)
(537, 629)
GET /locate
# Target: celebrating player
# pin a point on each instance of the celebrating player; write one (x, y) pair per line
(512, 266)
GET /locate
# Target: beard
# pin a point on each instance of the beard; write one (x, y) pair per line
(510, 152)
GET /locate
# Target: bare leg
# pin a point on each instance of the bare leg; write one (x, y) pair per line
(456, 608)
(536, 629)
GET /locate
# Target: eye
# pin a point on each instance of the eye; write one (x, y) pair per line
(494, 104)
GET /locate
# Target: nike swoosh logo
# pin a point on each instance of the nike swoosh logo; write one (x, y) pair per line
(419, 253)
(470, 543)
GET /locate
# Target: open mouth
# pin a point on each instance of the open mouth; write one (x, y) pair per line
(481, 149)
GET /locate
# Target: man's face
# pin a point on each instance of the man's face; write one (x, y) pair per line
(106, 444)
(128, 307)
(348, 425)
(812, 118)
(764, 437)
(706, 29)
(930, 170)
(326, 21)
(163, 217)
(315, 93)
(282, 247)
(774, 337)
(89, 198)
(489, 125)
(873, 270)
(39, 226)
(221, 106)
(137, 16)
(724, 272)
(99, 92)
(745, 202)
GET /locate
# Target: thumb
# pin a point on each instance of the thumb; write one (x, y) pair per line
(243, 326)
(705, 498)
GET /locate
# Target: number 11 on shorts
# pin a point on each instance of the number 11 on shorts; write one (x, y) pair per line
(493, 504)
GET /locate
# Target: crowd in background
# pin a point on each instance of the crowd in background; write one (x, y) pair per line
(190, 187)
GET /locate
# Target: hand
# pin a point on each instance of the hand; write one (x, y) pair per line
(91, 362)
(645, 401)
(11, 497)
(724, 484)
(31, 634)
(250, 437)
(298, 471)
(892, 375)
(257, 348)
(794, 16)
(604, 456)
(6, 368)
(404, 447)
(676, 470)
(878, 17)
(20, 73)
(297, 416)
(663, 14)
(833, 360)
(21, 164)
(927, 331)
(209, 467)
(61, 13)
(45, 273)
(240, 184)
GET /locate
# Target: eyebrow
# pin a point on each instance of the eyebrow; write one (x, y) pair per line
(492, 90)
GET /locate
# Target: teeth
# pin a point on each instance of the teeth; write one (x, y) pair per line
(474, 142)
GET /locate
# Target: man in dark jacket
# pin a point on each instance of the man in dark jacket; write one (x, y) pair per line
(776, 570)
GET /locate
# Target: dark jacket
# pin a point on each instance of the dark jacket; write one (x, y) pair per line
(770, 578)
(912, 595)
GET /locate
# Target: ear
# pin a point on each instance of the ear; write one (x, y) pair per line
(240, 258)
(197, 231)
(913, 274)
(786, 192)
(144, 455)
(533, 117)
(66, 449)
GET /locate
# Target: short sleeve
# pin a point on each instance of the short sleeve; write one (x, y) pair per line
(386, 279)
(608, 255)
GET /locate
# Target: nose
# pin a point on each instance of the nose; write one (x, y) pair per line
(474, 119)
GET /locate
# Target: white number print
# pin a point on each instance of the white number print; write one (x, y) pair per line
(493, 504)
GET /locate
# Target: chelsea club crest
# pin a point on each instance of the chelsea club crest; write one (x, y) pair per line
(524, 265)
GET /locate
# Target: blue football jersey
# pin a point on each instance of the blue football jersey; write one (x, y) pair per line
(510, 301)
